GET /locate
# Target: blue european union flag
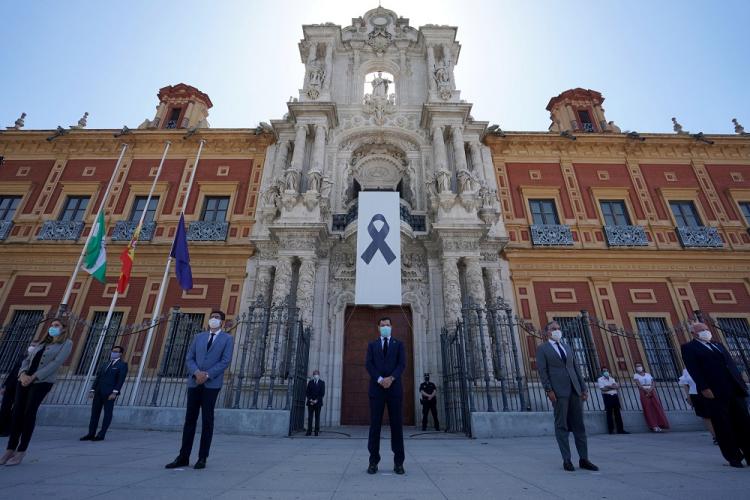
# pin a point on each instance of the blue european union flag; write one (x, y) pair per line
(181, 256)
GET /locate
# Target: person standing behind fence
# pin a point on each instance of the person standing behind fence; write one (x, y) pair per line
(608, 386)
(428, 393)
(696, 401)
(566, 389)
(8, 392)
(104, 392)
(210, 353)
(653, 412)
(35, 379)
(719, 381)
(316, 390)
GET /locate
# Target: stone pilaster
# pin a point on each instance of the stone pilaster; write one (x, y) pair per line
(451, 291)
(282, 154)
(459, 153)
(298, 156)
(431, 68)
(318, 152)
(438, 145)
(329, 66)
(306, 289)
(263, 283)
(474, 280)
(475, 149)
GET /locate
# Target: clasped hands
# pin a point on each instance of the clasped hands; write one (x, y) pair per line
(26, 379)
(200, 377)
(386, 382)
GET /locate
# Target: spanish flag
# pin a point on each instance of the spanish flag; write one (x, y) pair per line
(126, 257)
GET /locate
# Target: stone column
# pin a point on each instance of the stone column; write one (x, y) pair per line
(474, 280)
(262, 284)
(431, 68)
(298, 156)
(459, 153)
(475, 290)
(187, 115)
(282, 153)
(329, 66)
(495, 283)
(438, 145)
(451, 291)
(282, 282)
(306, 289)
(318, 152)
(476, 159)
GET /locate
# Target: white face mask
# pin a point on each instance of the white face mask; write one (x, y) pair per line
(556, 335)
(316, 377)
(639, 369)
(214, 323)
(30, 349)
(705, 336)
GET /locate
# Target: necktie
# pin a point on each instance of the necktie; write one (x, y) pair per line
(210, 341)
(562, 354)
(385, 347)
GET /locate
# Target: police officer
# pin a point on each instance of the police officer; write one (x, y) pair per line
(428, 391)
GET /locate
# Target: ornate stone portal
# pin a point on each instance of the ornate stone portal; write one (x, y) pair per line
(410, 133)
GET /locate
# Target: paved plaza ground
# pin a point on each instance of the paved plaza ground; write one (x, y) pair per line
(130, 465)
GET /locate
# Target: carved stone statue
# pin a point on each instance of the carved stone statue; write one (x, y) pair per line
(81, 122)
(443, 181)
(291, 180)
(325, 188)
(316, 74)
(466, 182)
(677, 127)
(314, 179)
(487, 196)
(19, 123)
(738, 129)
(442, 76)
(380, 85)
(272, 195)
(613, 128)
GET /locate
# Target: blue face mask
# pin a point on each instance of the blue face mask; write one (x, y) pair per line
(54, 331)
(385, 331)
(114, 355)
(605, 373)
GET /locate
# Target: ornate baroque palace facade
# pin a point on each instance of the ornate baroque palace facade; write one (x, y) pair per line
(640, 230)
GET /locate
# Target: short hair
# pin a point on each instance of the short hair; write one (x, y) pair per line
(605, 368)
(316, 371)
(220, 313)
(119, 347)
(548, 325)
(698, 326)
(385, 318)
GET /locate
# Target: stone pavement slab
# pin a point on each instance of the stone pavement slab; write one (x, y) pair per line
(130, 464)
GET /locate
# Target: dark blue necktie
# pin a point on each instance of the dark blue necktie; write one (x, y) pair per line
(385, 347)
(562, 354)
(210, 341)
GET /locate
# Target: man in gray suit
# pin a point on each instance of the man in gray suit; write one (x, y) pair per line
(210, 353)
(566, 389)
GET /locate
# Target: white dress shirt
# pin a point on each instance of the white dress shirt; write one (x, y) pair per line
(686, 379)
(555, 345)
(604, 382)
(645, 379)
(382, 344)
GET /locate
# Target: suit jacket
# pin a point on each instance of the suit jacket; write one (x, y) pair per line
(380, 366)
(557, 375)
(214, 360)
(52, 359)
(110, 378)
(316, 391)
(713, 370)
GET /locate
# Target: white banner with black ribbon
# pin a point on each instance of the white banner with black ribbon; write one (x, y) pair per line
(378, 274)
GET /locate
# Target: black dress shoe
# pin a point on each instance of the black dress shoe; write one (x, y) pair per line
(738, 465)
(308, 433)
(424, 429)
(200, 464)
(97, 438)
(623, 432)
(87, 437)
(316, 432)
(585, 464)
(568, 466)
(399, 469)
(372, 469)
(178, 462)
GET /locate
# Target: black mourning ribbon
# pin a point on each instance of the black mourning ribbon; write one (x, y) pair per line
(378, 241)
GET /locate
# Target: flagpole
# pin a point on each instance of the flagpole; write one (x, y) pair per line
(162, 289)
(69, 288)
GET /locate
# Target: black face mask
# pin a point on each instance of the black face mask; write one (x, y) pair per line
(427, 379)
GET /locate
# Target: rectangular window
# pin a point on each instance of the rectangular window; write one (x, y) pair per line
(75, 208)
(658, 346)
(543, 212)
(140, 204)
(585, 118)
(737, 333)
(182, 331)
(215, 209)
(575, 336)
(173, 117)
(92, 339)
(685, 213)
(615, 213)
(16, 338)
(8, 206)
(745, 207)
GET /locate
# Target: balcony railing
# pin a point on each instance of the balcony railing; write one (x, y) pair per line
(61, 230)
(625, 236)
(124, 230)
(417, 222)
(5, 227)
(551, 235)
(699, 237)
(201, 230)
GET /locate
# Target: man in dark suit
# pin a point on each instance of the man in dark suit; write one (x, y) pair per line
(566, 389)
(104, 392)
(209, 355)
(386, 361)
(719, 381)
(316, 389)
(428, 393)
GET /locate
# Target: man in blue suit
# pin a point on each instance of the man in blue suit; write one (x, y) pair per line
(208, 356)
(104, 392)
(385, 363)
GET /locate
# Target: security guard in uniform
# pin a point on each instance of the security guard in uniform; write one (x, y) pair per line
(428, 391)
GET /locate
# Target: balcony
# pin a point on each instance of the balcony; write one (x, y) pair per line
(551, 235)
(417, 222)
(5, 227)
(61, 230)
(625, 236)
(207, 231)
(699, 237)
(124, 231)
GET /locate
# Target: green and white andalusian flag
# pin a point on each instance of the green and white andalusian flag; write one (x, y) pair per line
(95, 259)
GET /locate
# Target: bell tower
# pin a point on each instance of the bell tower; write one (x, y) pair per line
(578, 110)
(180, 106)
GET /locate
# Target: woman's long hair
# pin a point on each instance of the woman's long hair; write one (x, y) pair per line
(49, 339)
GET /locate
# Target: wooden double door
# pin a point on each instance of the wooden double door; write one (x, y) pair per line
(360, 329)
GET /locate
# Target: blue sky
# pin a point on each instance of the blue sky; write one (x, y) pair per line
(650, 59)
